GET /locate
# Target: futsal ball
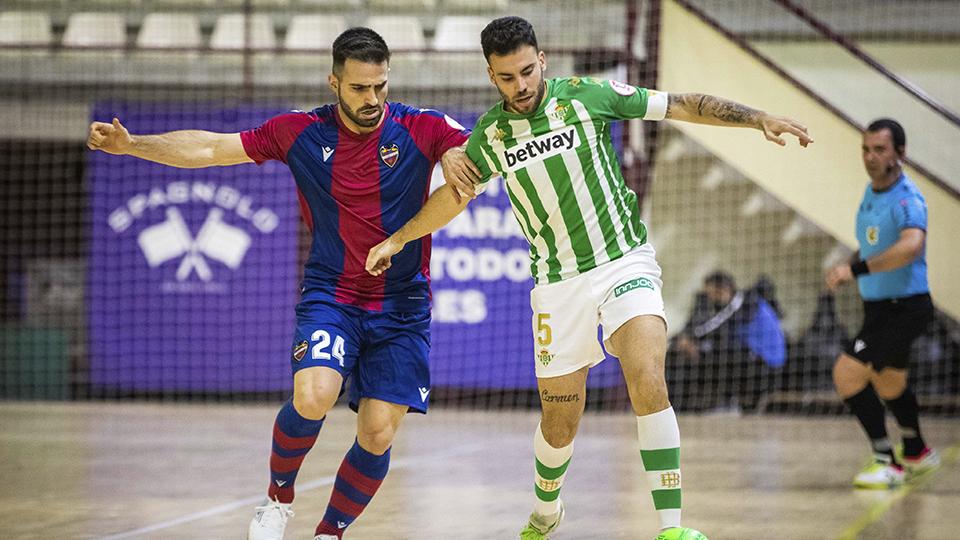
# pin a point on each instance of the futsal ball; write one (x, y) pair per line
(680, 533)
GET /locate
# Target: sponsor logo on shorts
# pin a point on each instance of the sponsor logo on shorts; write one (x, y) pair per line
(859, 345)
(670, 479)
(545, 357)
(873, 235)
(542, 147)
(424, 392)
(300, 351)
(639, 283)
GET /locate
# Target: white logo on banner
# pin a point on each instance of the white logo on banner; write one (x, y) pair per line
(172, 239)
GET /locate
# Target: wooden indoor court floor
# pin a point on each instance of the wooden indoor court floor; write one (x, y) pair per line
(109, 470)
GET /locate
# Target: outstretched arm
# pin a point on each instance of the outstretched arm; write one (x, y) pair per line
(717, 111)
(188, 149)
(439, 209)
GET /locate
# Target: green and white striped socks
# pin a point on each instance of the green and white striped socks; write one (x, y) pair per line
(660, 452)
(551, 470)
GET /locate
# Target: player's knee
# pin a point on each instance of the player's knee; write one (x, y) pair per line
(890, 390)
(313, 403)
(650, 400)
(649, 386)
(846, 379)
(375, 439)
(652, 380)
(559, 430)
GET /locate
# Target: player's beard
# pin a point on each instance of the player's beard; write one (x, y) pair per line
(533, 103)
(354, 116)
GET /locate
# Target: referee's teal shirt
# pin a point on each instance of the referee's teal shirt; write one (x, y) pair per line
(882, 215)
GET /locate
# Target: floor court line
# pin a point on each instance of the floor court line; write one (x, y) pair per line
(875, 512)
(306, 486)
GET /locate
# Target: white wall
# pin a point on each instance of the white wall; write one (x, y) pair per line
(865, 95)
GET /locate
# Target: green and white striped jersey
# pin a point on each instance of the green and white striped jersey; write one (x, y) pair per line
(562, 174)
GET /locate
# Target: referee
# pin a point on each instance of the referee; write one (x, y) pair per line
(891, 271)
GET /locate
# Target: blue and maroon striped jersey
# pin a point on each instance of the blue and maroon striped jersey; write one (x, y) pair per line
(355, 190)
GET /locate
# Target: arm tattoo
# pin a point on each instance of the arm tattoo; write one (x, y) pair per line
(677, 101)
(730, 111)
(706, 106)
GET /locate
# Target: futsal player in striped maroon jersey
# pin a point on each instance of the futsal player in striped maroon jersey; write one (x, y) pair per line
(362, 168)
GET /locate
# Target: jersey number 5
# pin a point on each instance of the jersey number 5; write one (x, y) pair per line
(322, 339)
(544, 334)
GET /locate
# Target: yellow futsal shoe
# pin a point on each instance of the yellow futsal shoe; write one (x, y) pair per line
(540, 526)
(880, 475)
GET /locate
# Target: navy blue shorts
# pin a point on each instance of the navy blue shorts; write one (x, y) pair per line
(383, 355)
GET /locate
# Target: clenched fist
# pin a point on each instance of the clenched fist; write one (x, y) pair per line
(111, 138)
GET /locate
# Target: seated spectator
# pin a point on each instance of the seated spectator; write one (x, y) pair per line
(730, 347)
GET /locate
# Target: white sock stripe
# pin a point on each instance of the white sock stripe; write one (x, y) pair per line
(669, 518)
(664, 479)
(658, 430)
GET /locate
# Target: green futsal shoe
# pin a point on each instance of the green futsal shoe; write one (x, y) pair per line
(680, 533)
(540, 526)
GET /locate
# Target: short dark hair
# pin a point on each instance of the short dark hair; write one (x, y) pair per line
(505, 35)
(896, 132)
(719, 278)
(361, 44)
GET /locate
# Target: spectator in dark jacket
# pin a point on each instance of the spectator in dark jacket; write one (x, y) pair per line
(730, 347)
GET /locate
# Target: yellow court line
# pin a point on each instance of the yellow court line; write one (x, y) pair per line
(877, 511)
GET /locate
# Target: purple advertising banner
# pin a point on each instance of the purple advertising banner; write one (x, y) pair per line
(192, 272)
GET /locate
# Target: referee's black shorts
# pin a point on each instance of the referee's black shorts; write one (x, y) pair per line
(889, 328)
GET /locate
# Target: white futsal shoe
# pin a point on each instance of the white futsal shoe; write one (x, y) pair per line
(269, 521)
(879, 475)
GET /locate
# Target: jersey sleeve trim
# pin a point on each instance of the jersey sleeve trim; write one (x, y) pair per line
(656, 105)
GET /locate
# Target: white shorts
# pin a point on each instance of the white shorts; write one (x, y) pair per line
(566, 313)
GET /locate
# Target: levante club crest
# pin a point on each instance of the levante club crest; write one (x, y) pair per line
(300, 351)
(390, 154)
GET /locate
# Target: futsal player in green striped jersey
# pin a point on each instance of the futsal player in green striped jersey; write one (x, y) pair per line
(592, 265)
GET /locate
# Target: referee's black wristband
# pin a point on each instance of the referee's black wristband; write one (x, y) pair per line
(859, 268)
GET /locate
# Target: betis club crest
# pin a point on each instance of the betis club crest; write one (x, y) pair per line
(390, 154)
